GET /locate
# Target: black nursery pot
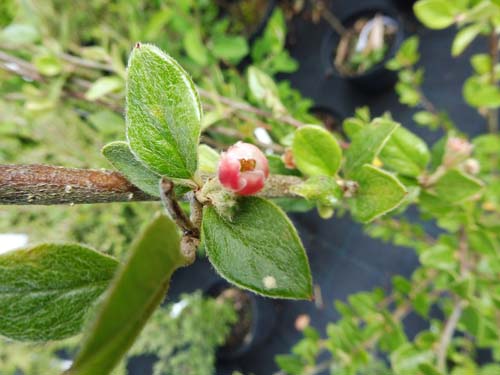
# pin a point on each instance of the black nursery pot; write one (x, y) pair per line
(261, 24)
(377, 78)
(262, 313)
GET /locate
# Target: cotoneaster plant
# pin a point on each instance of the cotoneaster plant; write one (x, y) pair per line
(53, 291)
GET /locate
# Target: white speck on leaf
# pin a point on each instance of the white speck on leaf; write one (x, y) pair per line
(269, 282)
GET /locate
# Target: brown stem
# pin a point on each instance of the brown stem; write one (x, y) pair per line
(45, 185)
(238, 105)
(493, 112)
(172, 206)
(196, 209)
(332, 20)
(449, 330)
(190, 232)
(48, 185)
(452, 322)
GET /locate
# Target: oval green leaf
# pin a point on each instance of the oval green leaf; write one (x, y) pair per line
(405, 153)
(163, 113)
(464, 38)
(367, 143)
(456, 186)
(47, 290)
(137, 289)
(435, 14)
(258, 250)
(379, 192)
(316, 151)
(119, 155)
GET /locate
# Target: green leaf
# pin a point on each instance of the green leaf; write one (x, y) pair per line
(440, 256)
(481, 63)
(352, 126)
(405, 153)
(435, 14)
(258, 250)
(119, 155)
(316, 151)
(428, 369)
(465, 37)
(194, 46)
(289, 363)
(47, 290)
(379, 192)
(102, 87)
(48, 64)
(480, 93)
(455, 186)
(19, 34)
(426, 118)
(163, 113)
(137, 289)
(490, 369)
(407, 54)
(367, 144)
(407, 358)
(232, 48)
(264, 89)
(209, 158)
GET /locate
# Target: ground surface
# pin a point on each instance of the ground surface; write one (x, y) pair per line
(343, 259)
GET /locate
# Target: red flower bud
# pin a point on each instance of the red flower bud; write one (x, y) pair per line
(243, 168)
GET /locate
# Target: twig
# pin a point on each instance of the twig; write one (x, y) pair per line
(451, 323)
(171, 204)
(45, 185)
(28, 70)
(196, 210)
(49, 185)
(449, 330)
(190, 232)
(332, 20)
(238, 105)
(75, 60)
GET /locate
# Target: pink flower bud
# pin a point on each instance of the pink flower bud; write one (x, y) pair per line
(457, 150)
(243, 168)
(459, 146)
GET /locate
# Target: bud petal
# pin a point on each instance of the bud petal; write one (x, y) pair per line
(243, 168)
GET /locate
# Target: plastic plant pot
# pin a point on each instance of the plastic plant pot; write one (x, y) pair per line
(251, 30)
(255, 324)
(377, 78)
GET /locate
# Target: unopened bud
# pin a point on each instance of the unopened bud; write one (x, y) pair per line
(243, 169)
(457, 150)
(471, 166)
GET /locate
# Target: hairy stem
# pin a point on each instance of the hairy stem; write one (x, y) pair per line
(48, 185)
(45, 185)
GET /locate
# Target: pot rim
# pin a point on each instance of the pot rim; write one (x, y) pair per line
(330, 42)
